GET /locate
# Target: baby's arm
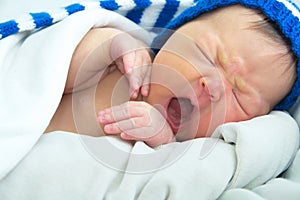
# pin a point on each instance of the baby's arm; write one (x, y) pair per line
(105, 47)
(137, 120)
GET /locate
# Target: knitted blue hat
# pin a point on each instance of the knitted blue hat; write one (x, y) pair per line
(285, 13)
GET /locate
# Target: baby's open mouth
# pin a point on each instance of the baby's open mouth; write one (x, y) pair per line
(179, 111)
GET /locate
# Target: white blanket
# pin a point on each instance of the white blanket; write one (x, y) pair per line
(67, 166)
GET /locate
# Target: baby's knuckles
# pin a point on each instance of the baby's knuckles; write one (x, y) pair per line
(140, 112)
(141, 121)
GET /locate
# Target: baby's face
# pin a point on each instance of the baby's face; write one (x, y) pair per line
(219, 70)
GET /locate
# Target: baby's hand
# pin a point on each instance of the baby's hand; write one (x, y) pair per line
(133, 59)
(137, 120)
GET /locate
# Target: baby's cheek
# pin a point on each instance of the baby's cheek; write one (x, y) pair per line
(206, 125)
(217, 114)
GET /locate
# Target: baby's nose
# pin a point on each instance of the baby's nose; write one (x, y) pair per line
(212, 88)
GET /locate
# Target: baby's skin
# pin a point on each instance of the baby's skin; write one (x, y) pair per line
(102, 51)
(135, 120)
(139, 121)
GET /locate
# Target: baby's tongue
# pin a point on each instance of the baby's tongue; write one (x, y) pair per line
(180, 108)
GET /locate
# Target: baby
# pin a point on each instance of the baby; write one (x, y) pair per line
(227, 65)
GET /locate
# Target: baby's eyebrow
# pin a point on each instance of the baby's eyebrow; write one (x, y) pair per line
(227, 62)
(223, 58)
(236, 82)
(239, 83)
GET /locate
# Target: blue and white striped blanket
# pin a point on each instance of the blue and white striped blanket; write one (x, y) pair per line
(146, 13)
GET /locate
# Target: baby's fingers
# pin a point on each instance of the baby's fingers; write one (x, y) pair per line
(134, 72)
(124, 111)
(145, 72)
(140, 133)
(117, 127)
(137, 68)
(145, 87)
(123, 126)
(129, 62)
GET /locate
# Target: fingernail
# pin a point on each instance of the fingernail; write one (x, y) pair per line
(122, 135)
(108, 128)
(100, 119)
